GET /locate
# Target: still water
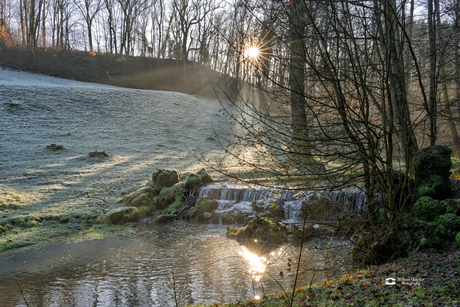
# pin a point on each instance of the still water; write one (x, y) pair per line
(161, 264)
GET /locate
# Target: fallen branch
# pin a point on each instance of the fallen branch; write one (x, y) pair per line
(94, 197)
(22, 292)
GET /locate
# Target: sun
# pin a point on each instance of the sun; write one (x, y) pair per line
(251, 52)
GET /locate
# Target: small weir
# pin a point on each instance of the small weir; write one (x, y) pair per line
(239, 202)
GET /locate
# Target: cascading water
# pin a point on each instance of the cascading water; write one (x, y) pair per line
(239, 202)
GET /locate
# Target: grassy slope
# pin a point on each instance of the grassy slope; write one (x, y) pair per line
(131, 72)
(437, 274)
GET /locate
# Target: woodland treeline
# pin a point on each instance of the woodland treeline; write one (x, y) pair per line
(365, 84)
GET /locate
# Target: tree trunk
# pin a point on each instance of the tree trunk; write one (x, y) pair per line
(433, 87)
(297, 83)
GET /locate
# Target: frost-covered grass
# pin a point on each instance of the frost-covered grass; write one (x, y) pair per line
(141, 130)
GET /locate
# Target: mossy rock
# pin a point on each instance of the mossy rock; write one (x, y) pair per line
(434, 233)
(262, 229)
(123, 215)
(23, 221)
(192, 181)
(164, 178)
(204, 204)
(169, 195)
(427, 209)
(175, 209)
(144, 211)
(432, 170)
(205, 177)
(139, 198)
(452, 206)
(457, 239)
(450, 221)
(164, 218)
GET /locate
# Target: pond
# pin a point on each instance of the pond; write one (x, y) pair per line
(190, 263)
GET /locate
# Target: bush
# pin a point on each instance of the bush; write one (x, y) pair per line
(427, 209)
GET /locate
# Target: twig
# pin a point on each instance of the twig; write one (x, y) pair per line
(103, 199)
(174, 287)
(22, 292)
(311, 281)
(298, 262)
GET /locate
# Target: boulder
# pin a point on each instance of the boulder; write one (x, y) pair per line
(139, 198)
(164, 178)
(203, 204)
(205, 177)
(262, 229)
(164, 218)
(427, 209)
(452, 206)
(192, 181)
(449, 221)
(169, 195)
(433, 232)
(123, 215)
(432, 170)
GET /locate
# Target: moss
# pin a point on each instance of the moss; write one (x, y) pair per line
(123, 215)
(205, 177)
(174, 208)
(450, 221)
(170, 195)
(164, 178)
(2, 230)
(425, 243)
(427, 209)
(262, 229)
(192, 181)
(453, 206)
(23, 221)
(436, 235)
(144, 211)
(457, 239)
(432, 170)
(203, 204)
(139, 198)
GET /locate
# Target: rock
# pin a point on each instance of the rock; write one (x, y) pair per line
(452, 206)
(123, 215)
(205, 177)
(262, 229)
(169, 195)
(183, 176)
(192, 181)
(432, 170)
(203, 204)
(139, 198)
(276, 208)
(164, 178)
(427, 209)
(164, 218)
(434, 233)
(450, 221)
(144, 211)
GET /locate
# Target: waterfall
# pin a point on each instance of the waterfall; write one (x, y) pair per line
(239, 202)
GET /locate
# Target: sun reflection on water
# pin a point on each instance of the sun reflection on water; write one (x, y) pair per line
(257, 264)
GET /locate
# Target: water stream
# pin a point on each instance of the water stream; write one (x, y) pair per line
(240, 201)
